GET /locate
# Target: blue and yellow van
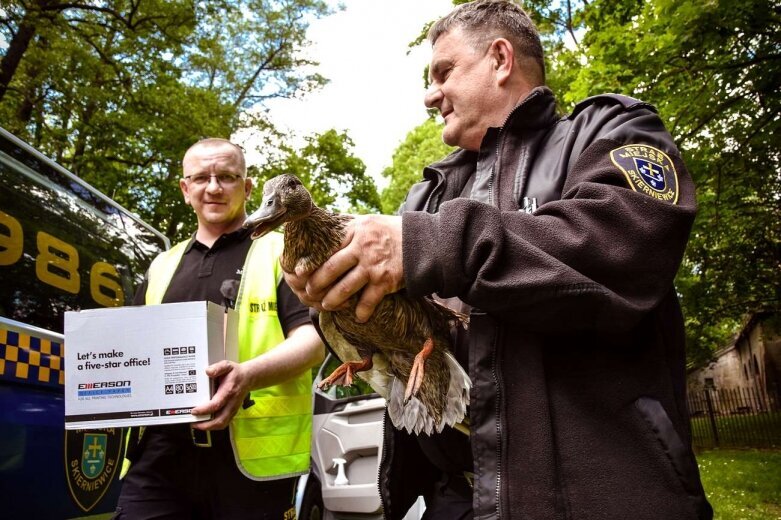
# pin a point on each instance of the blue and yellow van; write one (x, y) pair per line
(63, 246)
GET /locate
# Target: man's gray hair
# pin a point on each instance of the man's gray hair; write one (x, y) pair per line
(485, 20)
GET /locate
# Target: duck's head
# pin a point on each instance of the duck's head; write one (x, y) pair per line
(284, 199)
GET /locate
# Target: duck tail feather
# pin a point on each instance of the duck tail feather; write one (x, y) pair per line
(413, 417)
(457, 394)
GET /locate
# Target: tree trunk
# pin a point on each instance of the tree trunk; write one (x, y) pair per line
(16, 49)
(19, 44)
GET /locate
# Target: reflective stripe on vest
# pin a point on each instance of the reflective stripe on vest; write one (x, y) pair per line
(271, 438)
(161, 271)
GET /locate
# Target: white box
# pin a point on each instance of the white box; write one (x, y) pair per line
(140, 366)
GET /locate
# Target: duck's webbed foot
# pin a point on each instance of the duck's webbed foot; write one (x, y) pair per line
(417, 371)
(343, 375)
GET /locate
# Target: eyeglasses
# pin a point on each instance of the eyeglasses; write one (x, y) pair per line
(223, 179)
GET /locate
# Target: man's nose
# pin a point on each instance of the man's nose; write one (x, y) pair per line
(213, 185)
(433, 96)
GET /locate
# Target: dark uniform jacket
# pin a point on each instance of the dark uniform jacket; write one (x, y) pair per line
(566, 251)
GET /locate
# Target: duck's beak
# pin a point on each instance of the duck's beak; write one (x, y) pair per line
(269, 216)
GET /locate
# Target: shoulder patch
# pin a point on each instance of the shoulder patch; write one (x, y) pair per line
(648, 170)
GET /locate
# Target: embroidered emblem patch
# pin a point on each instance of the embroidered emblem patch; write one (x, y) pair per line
(647, 170)
(92, 458)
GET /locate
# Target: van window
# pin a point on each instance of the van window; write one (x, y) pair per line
(63, 245)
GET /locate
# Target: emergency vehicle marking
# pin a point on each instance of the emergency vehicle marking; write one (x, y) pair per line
(647, 170)
(31, 359)
(92, 458)
(57, 263)
(63, 246)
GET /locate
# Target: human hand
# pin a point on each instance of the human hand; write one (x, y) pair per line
(370, 261)
(233, 386)
(297, 282)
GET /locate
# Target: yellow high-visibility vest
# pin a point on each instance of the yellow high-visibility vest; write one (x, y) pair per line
(271, 438)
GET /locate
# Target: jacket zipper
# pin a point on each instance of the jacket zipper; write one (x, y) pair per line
(494, 362)
(497, 381)
(496, 160)
(498, 146)
(386, 447)
(491, 178)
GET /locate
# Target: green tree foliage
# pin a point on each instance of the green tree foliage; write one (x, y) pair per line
(116, 91)
(326, 165)
(422, 146)
(713, 70)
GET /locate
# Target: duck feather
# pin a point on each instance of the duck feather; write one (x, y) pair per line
(383, 350)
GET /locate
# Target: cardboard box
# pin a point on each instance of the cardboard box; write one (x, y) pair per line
(140, 366)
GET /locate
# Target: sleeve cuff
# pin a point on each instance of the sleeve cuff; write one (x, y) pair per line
(422, 272)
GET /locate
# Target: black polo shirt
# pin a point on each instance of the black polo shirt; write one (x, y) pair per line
(170, 475)
(202, 271)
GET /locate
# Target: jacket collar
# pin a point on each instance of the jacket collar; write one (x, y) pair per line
(536, 111)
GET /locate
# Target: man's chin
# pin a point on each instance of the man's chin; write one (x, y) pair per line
(459, 140)
(214, 218)
(217, 219)
(449, 137)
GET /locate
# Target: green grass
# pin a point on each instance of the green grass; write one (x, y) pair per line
(742, 484)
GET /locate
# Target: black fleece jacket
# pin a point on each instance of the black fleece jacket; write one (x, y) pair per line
(566, 250)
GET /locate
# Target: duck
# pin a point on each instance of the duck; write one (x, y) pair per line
(403, 351)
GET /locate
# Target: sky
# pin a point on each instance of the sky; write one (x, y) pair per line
(376, 89)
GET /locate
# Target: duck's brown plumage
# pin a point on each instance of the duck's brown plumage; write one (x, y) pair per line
(383, 349)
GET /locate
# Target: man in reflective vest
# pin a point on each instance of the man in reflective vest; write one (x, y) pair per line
(243, 462)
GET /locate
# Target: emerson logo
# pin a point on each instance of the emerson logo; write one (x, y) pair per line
(104, 388)
(104, 384)
(177, 411)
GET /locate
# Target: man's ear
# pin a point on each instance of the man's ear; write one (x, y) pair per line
(185, 190)
(503, 54)
(247, 187)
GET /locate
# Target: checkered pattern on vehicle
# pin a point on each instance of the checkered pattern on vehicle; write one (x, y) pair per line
(29, 359)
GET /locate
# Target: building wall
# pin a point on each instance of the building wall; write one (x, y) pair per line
(724, 372)
(751, 364)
